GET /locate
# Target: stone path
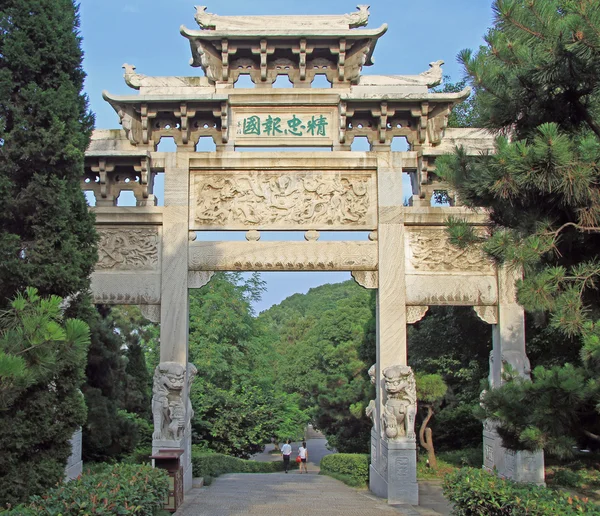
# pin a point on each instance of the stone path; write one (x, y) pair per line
(278, 494)
(295, 494)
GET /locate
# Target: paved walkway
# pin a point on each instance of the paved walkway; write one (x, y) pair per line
(295, 494)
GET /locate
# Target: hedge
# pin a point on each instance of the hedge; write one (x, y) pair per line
(209, 465)
(119, 489)
(350, 468)
(474, 492)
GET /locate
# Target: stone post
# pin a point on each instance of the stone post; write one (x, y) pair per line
(74, 466)
(393, 469)
(170, 406)
(508, 340)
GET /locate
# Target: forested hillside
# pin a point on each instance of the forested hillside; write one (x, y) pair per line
(316, 340)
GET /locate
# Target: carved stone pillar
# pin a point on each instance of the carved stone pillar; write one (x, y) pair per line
(393, 472)
(171, 408)
(508, 339)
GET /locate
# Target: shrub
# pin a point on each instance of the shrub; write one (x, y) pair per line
(214, 464)
(475, 492)
(120, 489)
(350, 468)
(141, 455)
(471, 457)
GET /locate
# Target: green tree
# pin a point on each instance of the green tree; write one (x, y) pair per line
(107, 433)
(538, 81)
(47, 237)
(453, 342)
(237, 406)
(319, 343)
(40, 402)
(431, 390)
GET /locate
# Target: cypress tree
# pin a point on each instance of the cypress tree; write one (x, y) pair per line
(47, 237)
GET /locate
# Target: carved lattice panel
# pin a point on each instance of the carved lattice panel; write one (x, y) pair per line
(289, 200)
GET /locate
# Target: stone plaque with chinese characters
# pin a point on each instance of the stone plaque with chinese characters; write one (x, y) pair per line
(284, 127)
(326, 200)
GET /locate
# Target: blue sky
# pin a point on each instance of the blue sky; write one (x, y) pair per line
(145, 33)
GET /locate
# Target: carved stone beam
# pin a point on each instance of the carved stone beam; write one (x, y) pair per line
(209, 59)
(264, 51)
(151, 312)
(146, 182)
(354, 59)
(341, 52)
(185, 115)
(302, 50)
(366, 279)
(382, 114)
(197, 279)
(129, 122)
(415, 313)
(345, 112)
(421, 113)
(147, 115)
(223, 113)
(436, 126)
(488, 314)
(102, 169)
(226, 51)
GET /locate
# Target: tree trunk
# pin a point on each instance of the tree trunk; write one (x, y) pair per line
(426, 439)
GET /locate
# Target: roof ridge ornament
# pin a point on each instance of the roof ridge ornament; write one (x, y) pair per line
(429, 78)
(210, 21)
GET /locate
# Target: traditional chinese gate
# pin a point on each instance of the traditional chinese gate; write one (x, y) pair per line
(148, 254)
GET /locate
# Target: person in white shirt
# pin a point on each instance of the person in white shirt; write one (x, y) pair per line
(286, 451)
(303, 454)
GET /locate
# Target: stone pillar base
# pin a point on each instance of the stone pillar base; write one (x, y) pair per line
(395, 474)
(520, 466)
(184, 444)
(74, 470)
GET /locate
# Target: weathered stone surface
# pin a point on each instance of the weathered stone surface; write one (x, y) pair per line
(149, 255)
(277, 23)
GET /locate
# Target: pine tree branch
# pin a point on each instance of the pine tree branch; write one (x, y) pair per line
(591, 435)
(587, 229)
(524, 28)
(537, 15)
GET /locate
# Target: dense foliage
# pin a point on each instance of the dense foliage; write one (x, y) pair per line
(120, 489)
(317, 339)
(350, 468)
(236, 402)
(538, 83)
(47, 236)
(113, 394)
(473, 492)
(454, 343)
(40, 402)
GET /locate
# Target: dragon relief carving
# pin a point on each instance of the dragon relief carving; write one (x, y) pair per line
(432, 251)
(128, 249)
(261, 199)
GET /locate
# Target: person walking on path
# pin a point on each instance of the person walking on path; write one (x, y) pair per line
(303, 454)
(286, 451)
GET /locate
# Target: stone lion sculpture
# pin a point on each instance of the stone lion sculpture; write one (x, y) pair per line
(168, 410)
(401, 404)
(370, 411)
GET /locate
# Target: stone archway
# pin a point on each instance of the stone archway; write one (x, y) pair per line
(148, 256)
